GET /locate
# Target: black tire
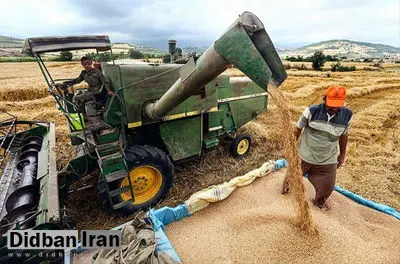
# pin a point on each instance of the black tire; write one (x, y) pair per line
(154, 160)
(240, 145)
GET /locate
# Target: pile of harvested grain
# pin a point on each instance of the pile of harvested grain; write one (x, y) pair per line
(255, 225)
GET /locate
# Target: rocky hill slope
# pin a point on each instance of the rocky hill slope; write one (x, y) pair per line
(345, 48)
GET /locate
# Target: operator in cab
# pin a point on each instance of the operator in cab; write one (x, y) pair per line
(95, 80)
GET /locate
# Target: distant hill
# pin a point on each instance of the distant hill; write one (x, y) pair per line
(342, 48)
(10, 47)
(345, 48)
(8, 42)
(13, 46)
(125, 47)
(191, 49)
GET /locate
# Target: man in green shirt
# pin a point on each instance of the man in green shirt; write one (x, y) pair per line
(95, 80)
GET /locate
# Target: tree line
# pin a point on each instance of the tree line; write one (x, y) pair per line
(310, 58)
(318, 60)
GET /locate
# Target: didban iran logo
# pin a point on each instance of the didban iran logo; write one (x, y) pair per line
(63, 239)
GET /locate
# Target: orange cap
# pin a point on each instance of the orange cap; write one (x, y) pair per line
(335, 96)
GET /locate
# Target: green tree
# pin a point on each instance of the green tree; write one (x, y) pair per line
(101, 57)
(104, 57)
(299, 58)
(167, 58)
(341, 68)
(135, 54)
(331, 58)
(335, 66)
(121, 55)
(65, 55)
(318, 60)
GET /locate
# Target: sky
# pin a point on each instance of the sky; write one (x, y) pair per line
(289, 23)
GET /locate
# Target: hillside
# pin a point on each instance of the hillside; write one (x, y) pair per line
(12, 47)
(342, 48)
(125, 47)
(345, 48)
(7, 42)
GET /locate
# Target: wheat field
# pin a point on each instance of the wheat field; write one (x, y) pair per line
(372, 168)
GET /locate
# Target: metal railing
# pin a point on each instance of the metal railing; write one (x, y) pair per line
(59, 95)
(8, 131)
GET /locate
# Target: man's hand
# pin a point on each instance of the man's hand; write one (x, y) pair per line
(297, 132)
(61, 86)
(342, 146)
(111, 93)
(340, 160)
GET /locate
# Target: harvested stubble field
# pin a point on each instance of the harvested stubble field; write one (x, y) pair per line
(373, 160)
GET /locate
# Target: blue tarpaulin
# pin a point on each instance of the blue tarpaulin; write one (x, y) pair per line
(377, 206)
(162, 217)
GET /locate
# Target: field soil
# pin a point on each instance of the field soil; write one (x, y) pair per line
(372, 168)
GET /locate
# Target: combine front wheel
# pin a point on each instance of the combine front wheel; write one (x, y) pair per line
(151, 174)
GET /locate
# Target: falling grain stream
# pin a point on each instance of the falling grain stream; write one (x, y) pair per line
(293, 177)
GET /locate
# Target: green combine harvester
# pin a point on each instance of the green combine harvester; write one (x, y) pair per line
(162, 114)
(159, 115)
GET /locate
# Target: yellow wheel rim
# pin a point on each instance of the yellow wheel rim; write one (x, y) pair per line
(243, 146)
(146, 182)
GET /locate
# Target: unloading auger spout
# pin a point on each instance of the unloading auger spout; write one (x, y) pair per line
(245, 45)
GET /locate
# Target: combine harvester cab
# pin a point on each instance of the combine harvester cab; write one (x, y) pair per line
(165, 113)
(28, 184)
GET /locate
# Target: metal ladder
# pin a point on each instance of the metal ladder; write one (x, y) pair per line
(112, 166)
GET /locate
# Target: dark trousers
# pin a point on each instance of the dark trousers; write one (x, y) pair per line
(81, 98)
(323, 178)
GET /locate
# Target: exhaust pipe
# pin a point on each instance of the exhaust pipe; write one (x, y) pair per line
(245, 44)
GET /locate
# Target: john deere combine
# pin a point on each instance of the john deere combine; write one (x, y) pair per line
(160, 114)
